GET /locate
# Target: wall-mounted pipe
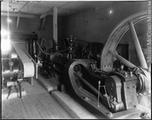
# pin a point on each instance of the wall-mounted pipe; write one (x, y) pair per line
(55, 26)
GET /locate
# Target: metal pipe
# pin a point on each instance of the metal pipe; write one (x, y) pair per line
(24, 15)
(99, 82)
(138, 47)
(55, 26)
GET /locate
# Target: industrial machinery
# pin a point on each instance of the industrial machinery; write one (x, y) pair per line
(115, 93)
(16, 66)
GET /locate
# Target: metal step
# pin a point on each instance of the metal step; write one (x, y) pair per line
(74, 108)
(48, 84)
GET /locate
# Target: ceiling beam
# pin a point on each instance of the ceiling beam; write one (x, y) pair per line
(49, 12)
(25, 4)
(18, 14)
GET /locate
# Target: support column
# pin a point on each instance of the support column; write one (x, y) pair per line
(55, 26)
(18, 20)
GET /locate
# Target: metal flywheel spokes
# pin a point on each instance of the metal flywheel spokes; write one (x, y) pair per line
(109, 51)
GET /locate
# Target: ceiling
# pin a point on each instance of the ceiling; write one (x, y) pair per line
(43, 8)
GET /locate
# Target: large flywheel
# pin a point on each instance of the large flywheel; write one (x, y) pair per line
(113, 93)
(109, 51)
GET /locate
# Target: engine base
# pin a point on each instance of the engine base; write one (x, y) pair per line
(117, 96)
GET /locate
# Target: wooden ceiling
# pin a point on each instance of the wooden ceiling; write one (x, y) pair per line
(40, 8)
